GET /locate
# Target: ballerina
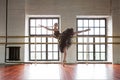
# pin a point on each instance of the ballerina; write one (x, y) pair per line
(64, 38)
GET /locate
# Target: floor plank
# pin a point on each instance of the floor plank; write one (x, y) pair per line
(58, 72)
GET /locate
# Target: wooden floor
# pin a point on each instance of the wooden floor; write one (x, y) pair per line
(58, 72)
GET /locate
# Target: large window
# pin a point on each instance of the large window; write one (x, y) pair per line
(42, 47)
(92, 45)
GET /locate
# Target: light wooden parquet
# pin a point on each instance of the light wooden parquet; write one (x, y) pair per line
(58, 72)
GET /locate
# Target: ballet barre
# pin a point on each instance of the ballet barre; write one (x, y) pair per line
(55, 43)
(14, 39)
(52, 36)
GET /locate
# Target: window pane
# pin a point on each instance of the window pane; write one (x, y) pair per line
(80, 48)
(55, 21)
(50, 40)
(49, 22)
(38, 39)
(32, 30)
(97, 31)
(80, 56)
(38, 22)
(32, 47)
(38, 56)
(38, 47)
(49, 32)
(50, 47)
(102, 39)
(90, 56)
(91, 23)
(38, 30)
(55, 47)
(80, 23)
(80, 40)
(32, 56)
(102, 23)
(96, 23)
(32, 22)
(44, 23)
(43, 47)
(91, 48)
(102, 31)
(102, 48)
(85, 40)
(43, 55)
(102, 56)
(85, 56)
(32, 39)
(44, 31)
(43, 40)
(97, 48)
(56, 55)
(97, 56)
(85, 50)
(85, 23)
(91, 40)
(50, 55)
(80, 29)
(97, 39)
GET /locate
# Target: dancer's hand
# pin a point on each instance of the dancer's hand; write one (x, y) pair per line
(43, 26)
(87, 30)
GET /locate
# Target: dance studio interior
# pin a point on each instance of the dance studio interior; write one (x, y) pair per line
(31, 52)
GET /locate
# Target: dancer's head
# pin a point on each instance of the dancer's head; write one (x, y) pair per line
(56, 24)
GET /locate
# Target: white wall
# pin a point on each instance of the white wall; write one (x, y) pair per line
(116, 30)
(16, 24)
(67, 9)
(2, 29)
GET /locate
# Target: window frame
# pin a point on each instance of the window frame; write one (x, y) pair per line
(46, 38)
(94, 43)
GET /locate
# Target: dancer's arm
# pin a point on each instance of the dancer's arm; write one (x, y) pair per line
(47, 28)
(81, 31)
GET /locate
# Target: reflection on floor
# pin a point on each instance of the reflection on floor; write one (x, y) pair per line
(58, 72)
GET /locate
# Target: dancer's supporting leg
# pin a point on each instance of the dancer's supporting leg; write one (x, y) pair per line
(64, 57)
